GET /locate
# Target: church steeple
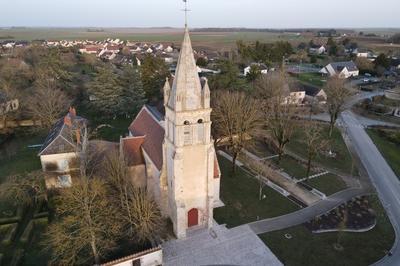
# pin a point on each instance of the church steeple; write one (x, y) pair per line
(186, 91)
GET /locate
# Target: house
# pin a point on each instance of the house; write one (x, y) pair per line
(151, 257)
(295, 97)
(395, 63)
(113, 48)
(59, 154)
(343, 70)
(8, 105)
(175, 146)
(90, 49)
(317, 49)
(262, 67)
(314, 94)
(169, 49)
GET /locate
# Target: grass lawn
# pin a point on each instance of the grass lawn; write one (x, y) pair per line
(17, 158)
(312, 78)
(240, 193)
(343, 159)
(389, 149)
(328, 184)
(359, 248)
(292, 167)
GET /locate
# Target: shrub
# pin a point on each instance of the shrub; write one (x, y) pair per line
(25, 237)
(10, 231)
(1, 258)
(18, 254)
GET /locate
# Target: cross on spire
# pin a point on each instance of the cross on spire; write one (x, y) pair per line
(186, 12)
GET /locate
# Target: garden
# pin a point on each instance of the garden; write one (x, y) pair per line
(358, 248)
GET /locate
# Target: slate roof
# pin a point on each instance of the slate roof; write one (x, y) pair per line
(60, 139)
(339, 66)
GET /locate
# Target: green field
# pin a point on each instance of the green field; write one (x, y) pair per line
(143, 35)
(359, 248)
(389, 149)
(342, 161)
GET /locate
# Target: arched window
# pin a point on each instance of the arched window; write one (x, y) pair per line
(187, 133)
(200, 131)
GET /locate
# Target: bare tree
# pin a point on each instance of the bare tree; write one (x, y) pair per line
(24, 189)
(141, 218)
(147, 220)
(47, 102)
(313, 136)
(85, 229)
(278, 108)
(236, 119)
(336, 96)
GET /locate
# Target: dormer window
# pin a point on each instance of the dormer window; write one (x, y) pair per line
(200, 121)
(186, 123)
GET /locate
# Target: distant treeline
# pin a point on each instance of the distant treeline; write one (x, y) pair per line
(242, 30)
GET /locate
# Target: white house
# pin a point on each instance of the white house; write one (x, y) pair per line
(151, 257)
(262, 67)
(343, 70)
(317, 49)
(169, 49)
(59, 154)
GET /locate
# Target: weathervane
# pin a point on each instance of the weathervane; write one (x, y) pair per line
(186, 13)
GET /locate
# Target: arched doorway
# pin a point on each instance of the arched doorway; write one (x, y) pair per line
(193, 217)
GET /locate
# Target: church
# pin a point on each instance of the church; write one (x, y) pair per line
(173, 155)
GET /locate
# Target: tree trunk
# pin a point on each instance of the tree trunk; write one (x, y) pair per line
(308, 167)
(235, 155)
(94, 250)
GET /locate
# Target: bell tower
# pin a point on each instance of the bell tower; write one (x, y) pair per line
(188, 147)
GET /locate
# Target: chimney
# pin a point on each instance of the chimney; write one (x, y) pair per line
(78, 136)
(72, 111)
(67, 120)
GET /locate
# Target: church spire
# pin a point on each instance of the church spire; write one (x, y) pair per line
(186, 91)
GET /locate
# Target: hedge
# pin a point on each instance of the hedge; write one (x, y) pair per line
(18, 254)
(27, 232)
(15, 219)
(11, 230)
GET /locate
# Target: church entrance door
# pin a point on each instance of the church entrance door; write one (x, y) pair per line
(193, 217)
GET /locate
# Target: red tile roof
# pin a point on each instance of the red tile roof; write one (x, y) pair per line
(146, 125)
(132, 150)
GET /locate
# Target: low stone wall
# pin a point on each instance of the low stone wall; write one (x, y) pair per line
(20, 123)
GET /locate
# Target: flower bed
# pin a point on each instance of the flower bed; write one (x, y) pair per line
(354, 216)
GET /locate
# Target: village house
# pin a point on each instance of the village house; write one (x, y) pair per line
(59, 154)
(343, 70)
(262, 67)
(8, 105)
(317, 49)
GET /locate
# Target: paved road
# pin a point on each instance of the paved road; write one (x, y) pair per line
(381, 175)
(306, 214)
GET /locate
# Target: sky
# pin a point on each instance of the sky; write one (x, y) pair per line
(204, 13)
